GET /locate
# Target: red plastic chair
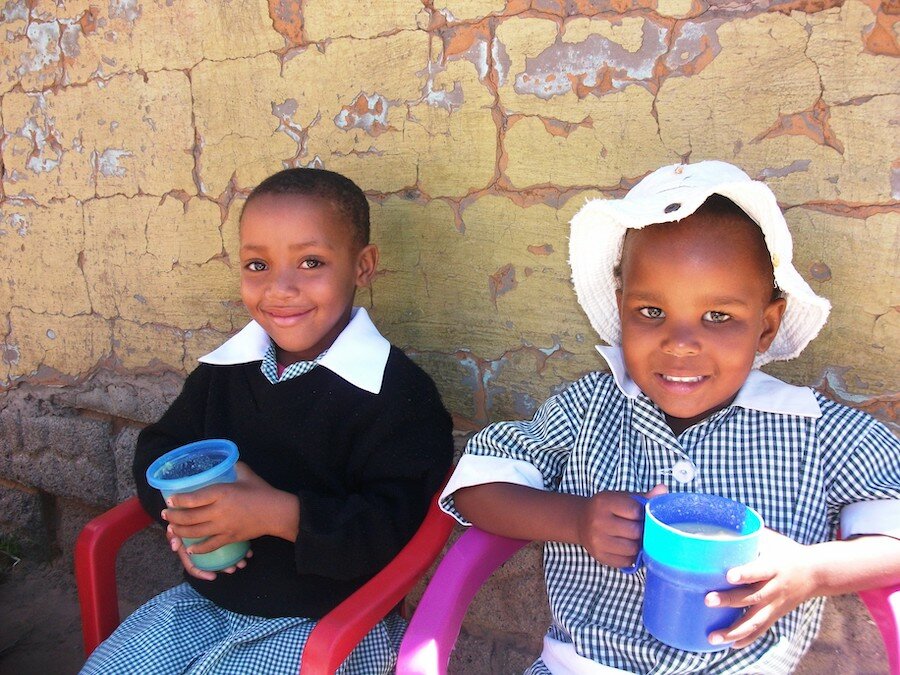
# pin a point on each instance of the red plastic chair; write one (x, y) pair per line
(436, 623)
(334, 636)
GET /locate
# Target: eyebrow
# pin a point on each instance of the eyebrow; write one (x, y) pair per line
(714, 301)
(291, 247)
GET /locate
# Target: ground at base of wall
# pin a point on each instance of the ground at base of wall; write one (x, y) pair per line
(40, 630)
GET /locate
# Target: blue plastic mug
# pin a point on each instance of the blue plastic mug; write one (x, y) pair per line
(189, 468)
(690, 541)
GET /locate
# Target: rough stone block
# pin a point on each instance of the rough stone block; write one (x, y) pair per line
(123, 450)
(848, 637)
(24, 520)
(132, 398)
(518, 587)
(56, 451)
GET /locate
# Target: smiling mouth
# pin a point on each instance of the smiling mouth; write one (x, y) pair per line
(682, 379)
(285, 315)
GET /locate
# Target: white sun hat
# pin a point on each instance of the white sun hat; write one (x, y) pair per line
(673, 193)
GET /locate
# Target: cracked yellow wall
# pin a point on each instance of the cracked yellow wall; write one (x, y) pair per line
(132, 130)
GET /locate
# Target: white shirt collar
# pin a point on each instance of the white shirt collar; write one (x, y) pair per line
(760, 391)
(358, 355)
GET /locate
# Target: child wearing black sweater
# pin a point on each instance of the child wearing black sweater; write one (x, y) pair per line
(343, 440)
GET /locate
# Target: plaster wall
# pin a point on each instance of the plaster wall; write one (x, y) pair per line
(131, 132)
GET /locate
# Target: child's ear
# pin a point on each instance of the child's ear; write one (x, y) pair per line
(366, 264)
(771, 322)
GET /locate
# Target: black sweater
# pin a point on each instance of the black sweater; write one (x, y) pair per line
(363, 465)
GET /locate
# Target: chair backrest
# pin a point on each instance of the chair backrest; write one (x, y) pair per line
(436, 623)
(338, 632)
(884, 606)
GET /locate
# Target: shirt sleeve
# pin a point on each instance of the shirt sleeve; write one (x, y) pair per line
(862, 463)
(532, 453)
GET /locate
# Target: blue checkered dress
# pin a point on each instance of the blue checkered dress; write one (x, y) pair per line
(180, 631)
(797, 471)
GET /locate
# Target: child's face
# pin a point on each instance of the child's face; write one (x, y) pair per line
(695, 306)
(300, 268)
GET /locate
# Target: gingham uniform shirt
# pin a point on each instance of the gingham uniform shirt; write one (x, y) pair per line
(798, 470)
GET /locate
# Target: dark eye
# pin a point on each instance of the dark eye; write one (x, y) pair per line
(311, 263)
(255, 266)
(652, 312)
(716, 317)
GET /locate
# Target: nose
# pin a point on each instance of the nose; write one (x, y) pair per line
(284, 284)
(681, 340)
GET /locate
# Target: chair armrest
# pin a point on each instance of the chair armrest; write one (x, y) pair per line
(884, 606)
(95, 568)
(338, 632)
(436, 623)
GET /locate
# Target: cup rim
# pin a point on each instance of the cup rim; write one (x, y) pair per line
(699, 536)
(179, 484)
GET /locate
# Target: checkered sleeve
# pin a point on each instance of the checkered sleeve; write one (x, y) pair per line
(861, 460)
(532, 453)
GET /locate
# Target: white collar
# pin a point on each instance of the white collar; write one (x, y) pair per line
(359, 354)
(760, 391)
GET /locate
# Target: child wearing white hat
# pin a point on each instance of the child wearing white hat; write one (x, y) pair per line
(689, 280)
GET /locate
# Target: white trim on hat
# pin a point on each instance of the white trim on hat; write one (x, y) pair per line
(670, 194)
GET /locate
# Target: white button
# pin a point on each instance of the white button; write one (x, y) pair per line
(684, 471)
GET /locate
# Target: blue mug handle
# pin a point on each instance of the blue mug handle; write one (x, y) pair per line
(639, 561)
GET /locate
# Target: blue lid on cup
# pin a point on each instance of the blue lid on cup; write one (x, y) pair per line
(190, 466)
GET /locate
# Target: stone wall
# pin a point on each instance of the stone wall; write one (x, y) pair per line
(131, 132)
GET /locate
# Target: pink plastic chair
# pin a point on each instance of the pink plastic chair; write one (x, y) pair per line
(334, 636)
(436, 623)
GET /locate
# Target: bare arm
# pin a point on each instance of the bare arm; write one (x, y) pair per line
(521, 512)
(609, 524)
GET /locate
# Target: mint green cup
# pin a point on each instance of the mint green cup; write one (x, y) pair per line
(189, 468)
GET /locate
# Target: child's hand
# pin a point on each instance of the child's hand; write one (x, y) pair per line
(774, 584)
(611, 525)
(177, 545)
(228, 512)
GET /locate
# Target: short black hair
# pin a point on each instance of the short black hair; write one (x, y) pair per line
(338, 190)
